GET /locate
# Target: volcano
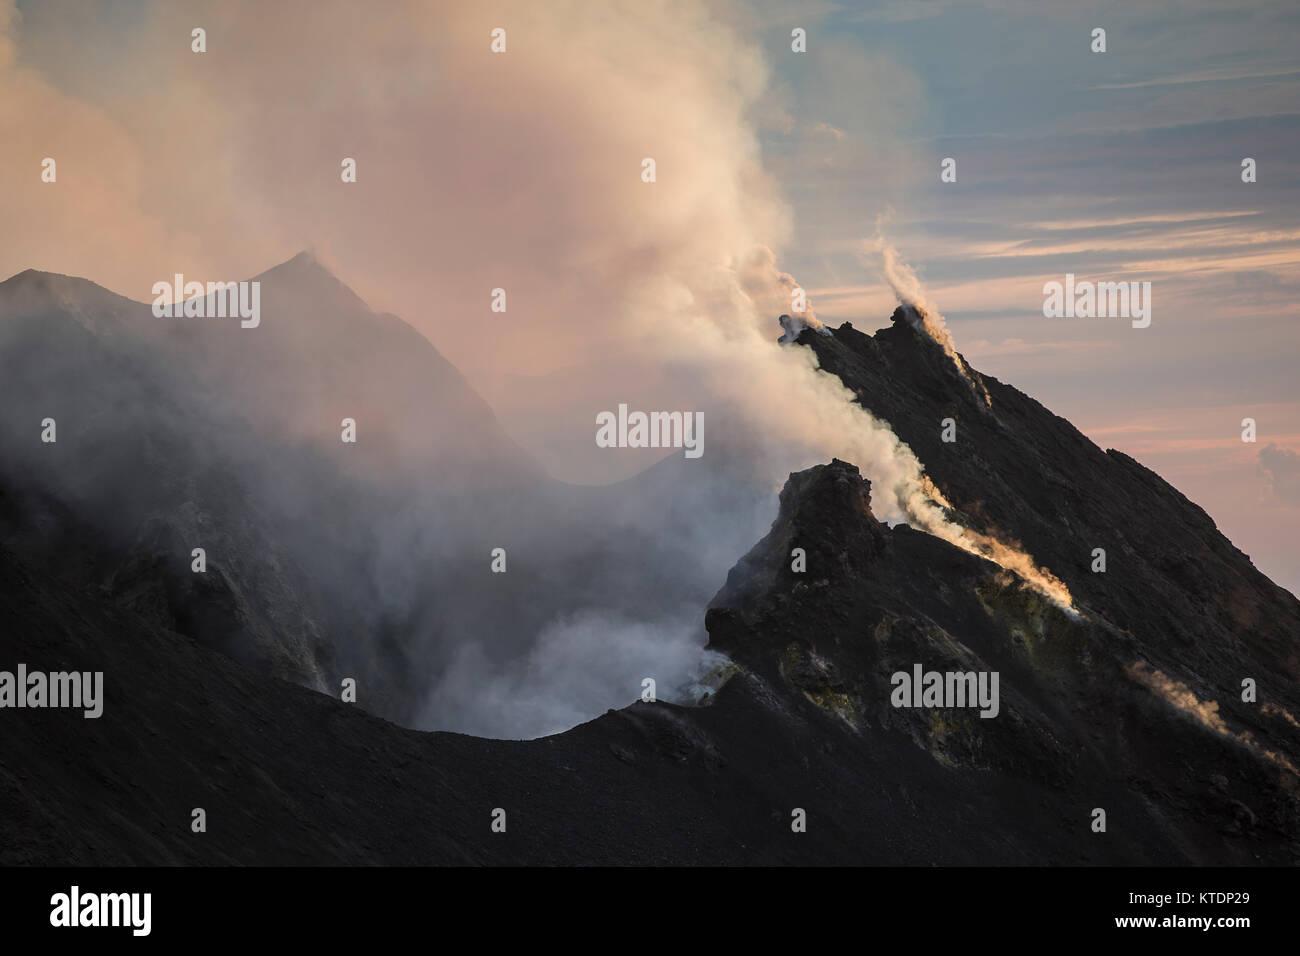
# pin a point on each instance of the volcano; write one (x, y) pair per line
(1158, 721)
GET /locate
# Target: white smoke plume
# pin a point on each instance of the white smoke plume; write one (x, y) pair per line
(922, 503)
(465, 185)
(924, 316)
(774, 291)
(1205, 712)
(717, 313)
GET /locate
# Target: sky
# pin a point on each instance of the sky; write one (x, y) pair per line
(522, 170)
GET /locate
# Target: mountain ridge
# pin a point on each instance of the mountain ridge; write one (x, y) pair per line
(1136, 707)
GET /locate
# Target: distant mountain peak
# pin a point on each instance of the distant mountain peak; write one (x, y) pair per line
(307, 279)
(304, 264)
(33, 293)
(37, 278)
(25, 276)
(306, 259)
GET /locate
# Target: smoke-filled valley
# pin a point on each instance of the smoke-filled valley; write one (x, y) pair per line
(331, 559)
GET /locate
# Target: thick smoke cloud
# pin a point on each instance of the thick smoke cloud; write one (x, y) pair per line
(476, 170)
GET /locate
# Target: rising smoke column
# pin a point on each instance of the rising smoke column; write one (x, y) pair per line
(721, 314)
(925, 508)
(817, 408)
(923, 315)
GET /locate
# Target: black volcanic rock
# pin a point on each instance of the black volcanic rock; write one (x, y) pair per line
(1192, 601)
(1132, 706)
(1087, 711)
(1032, 477)
(801, 720)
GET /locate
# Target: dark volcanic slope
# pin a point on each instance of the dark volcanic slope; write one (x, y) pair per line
(1030, 476)
(1134, 707)
(290, 776)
